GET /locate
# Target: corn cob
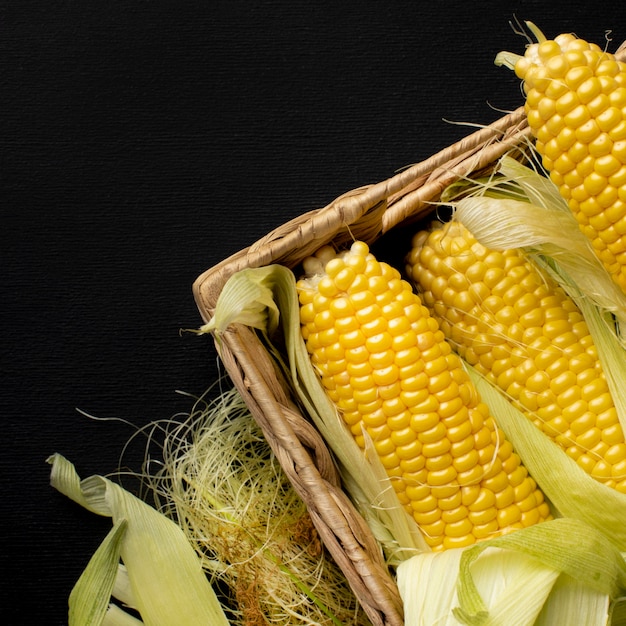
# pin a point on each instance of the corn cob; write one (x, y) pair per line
(521, 330)
(576, 109)
(387, 367)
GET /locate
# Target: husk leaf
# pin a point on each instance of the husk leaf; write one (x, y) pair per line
(564, 570)
(168, 585)
(618, 612)
(89, 599)
(122, 589)
(115, 616)
(568, 487)
(429, 585)
(565, 545)
(246, 299)
(573, 603)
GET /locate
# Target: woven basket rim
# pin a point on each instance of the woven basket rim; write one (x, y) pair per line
(369, 211)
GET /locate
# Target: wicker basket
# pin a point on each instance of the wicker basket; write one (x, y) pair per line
(367, 214)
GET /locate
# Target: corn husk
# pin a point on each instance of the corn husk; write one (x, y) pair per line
(116, 616)
(565, 571)
(166, 584)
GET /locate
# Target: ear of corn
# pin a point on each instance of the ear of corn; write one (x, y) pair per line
(518, 328)
(576, 109)
(244, 300)
(385, 364)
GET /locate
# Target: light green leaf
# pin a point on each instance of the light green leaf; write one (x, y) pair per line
(427, 584)
(122, 589)
(573, 603)
(491, 583)
(568, 487)
(166, 578)
(247, 299)
(618, 612)
(90, 596)
(564, 545)
(540, 575)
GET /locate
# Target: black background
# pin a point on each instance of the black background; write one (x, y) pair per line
(145, 141)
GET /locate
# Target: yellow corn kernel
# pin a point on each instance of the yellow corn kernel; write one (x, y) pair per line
(576, 109)
(386, 365)
(552, 372)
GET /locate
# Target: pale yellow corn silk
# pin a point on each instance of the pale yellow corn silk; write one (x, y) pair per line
(224, 486)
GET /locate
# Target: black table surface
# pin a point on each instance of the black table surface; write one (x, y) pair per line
(145, 141)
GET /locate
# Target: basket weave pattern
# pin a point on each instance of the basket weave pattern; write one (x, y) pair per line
(365, 214)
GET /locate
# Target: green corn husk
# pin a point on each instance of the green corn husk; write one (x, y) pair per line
(116, 616)
(558, 572)
(166, 583)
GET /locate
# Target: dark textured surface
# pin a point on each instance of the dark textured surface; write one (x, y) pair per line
(143, 142)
